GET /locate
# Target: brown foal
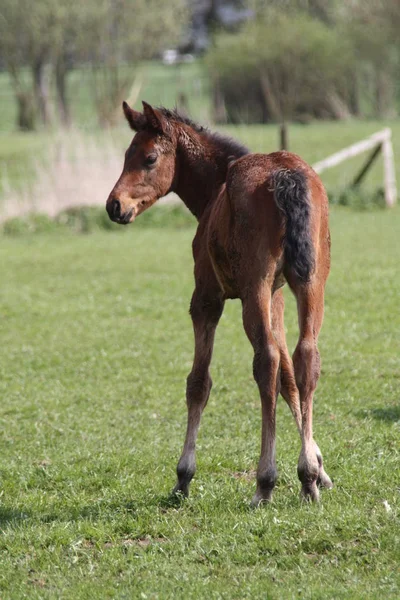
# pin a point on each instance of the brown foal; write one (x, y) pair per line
(262, 221)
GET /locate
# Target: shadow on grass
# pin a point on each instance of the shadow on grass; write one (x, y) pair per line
(105, 510)
(389, 414)
(15, 516)
(101, 510)
(10, 516)
(170, 501)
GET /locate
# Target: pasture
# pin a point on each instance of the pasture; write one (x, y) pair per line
(96, 343)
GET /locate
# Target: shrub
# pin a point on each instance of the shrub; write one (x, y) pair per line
(84, 219)
(279, 67)
(15, 226)
(87, 219)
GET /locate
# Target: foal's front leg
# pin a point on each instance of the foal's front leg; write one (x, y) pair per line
(205, 309)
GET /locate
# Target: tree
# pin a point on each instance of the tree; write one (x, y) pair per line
(14, 50)
(29, 33)
(70, 19)
(46, 39)
(117, 35)
(372, 28)
(281, 66)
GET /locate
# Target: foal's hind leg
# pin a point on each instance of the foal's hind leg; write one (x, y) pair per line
(205, 309)
(257, 324)
(306, 360)
(289, 389)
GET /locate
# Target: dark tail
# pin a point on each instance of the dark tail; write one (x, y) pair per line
(292, 198)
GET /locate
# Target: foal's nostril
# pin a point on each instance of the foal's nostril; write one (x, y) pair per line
(115, 208)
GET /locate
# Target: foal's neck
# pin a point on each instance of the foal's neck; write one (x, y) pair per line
(203, 160)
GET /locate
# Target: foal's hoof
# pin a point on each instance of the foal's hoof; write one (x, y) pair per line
(180, 491)
(324, 481)
(309, 492)
(260, 498)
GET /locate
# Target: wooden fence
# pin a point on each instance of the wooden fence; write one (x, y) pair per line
(378, 142)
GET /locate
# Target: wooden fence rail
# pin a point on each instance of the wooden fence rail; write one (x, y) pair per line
(380, 141)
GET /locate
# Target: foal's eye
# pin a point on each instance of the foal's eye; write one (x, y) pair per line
(151, 159)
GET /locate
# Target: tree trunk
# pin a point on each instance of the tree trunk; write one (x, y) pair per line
(337, 106)
(272, 105)
(26, 111)
(219, 108)
(354, 99)
(40, 86)
(383, 94)
(61, 72)
(25, 104)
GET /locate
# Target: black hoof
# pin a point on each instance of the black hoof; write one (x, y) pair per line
(310, 492)
(259, 499)
(181, 490)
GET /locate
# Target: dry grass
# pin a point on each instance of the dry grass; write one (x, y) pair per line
(75, 170)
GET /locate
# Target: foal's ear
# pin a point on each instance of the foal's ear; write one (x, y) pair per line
(135, 119)
(154, 118)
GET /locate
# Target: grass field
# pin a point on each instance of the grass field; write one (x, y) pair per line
(96, 343)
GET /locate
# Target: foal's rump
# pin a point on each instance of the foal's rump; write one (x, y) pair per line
(276, 201)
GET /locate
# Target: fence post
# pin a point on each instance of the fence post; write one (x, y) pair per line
(283, 137)
(389, 172)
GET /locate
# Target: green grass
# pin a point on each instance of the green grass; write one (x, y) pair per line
(95, 346)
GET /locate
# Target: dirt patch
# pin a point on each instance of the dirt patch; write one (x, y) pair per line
(245, 475)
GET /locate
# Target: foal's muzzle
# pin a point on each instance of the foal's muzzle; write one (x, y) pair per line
(115, 214)
(114, 209)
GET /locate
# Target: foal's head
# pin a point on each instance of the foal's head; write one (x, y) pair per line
(149, 167)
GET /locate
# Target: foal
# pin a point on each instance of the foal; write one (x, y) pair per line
(262, 221)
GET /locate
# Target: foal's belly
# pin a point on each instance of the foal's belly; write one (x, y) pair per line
(225, 259)
(224, 266)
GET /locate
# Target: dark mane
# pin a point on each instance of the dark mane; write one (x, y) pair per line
(229, 146)
(174, 115)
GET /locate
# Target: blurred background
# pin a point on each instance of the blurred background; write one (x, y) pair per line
(326, 69)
